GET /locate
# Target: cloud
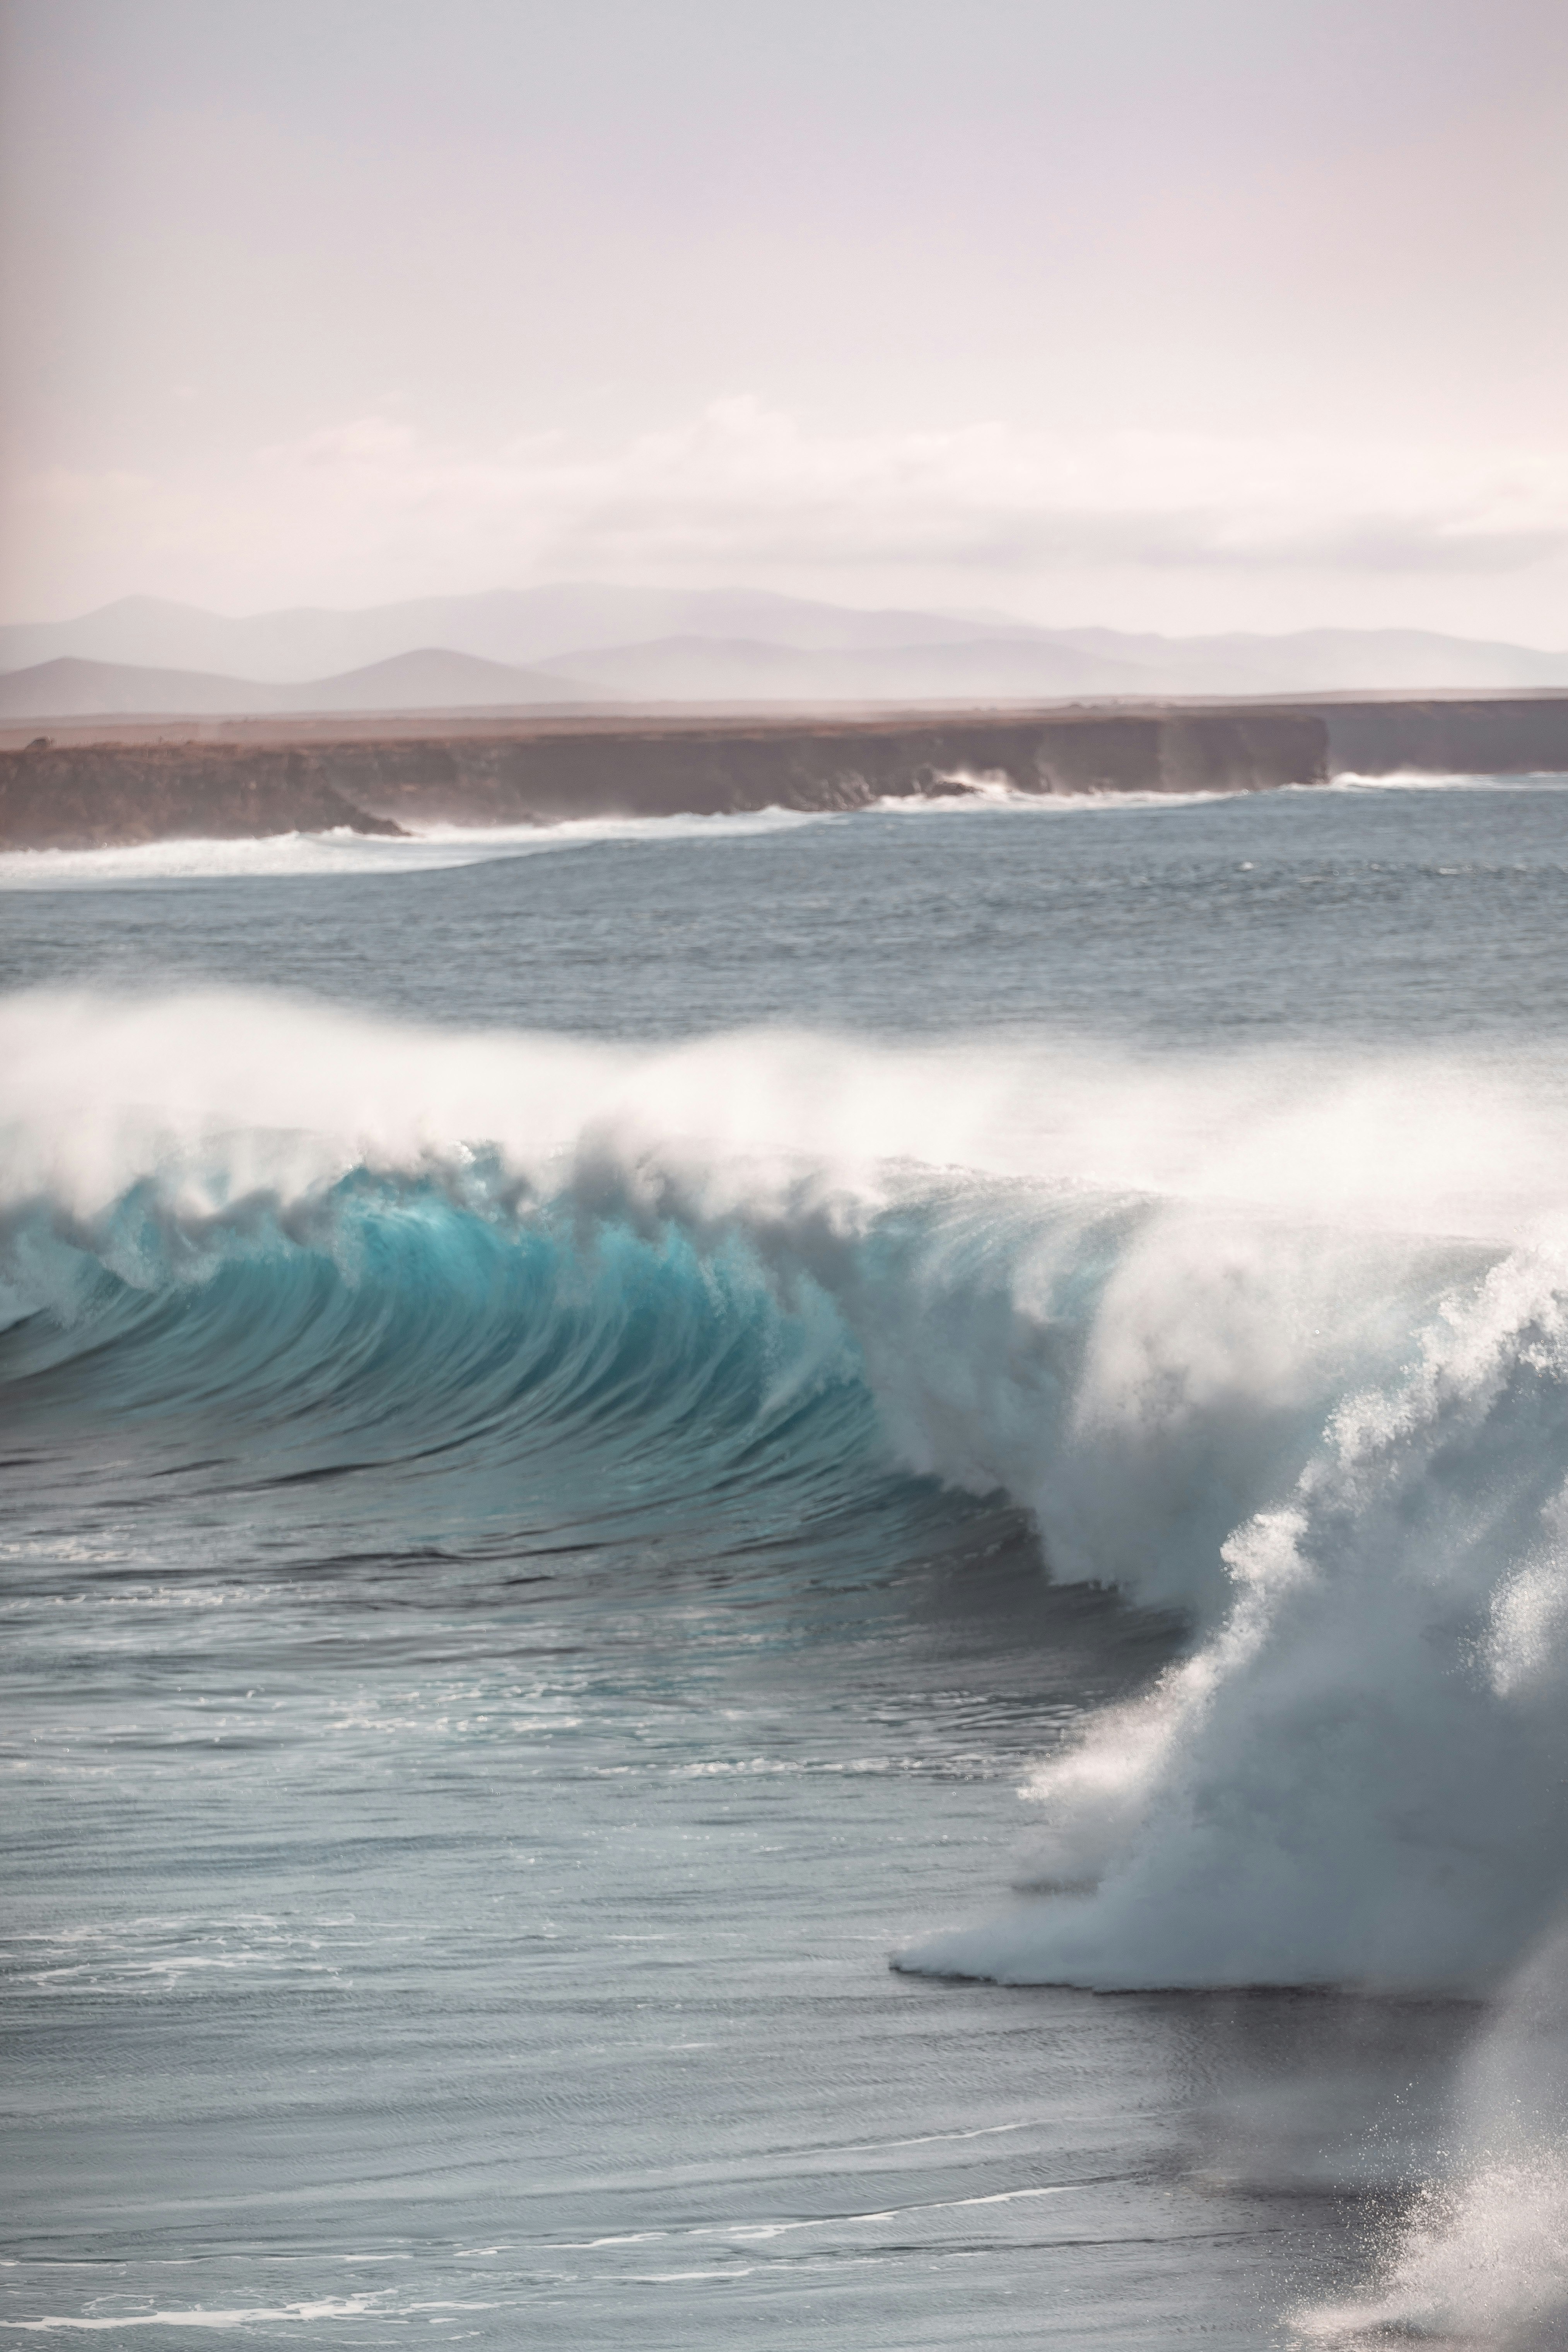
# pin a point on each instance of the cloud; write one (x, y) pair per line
(369, 506)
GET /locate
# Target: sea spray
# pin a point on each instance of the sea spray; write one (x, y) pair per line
(1254, 1343)
(1350, 1782)
(1480, 2257)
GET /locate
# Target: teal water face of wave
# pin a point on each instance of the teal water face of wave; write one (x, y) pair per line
(496, 1374)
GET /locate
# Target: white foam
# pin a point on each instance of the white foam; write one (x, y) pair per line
(1423, 780)
(327, 2308)
(1482, 2257)
(426, 849)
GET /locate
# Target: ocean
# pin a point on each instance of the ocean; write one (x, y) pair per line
(792, 1579)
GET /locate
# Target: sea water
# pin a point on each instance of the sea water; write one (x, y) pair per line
(792, 1581)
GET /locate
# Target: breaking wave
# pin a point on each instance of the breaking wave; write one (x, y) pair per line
(1281, 1347)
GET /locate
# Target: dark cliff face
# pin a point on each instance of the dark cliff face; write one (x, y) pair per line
(1497, 736)
(97, 794)
(708, 771)
(103, 796)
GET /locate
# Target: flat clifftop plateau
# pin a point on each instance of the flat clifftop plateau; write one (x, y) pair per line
(95, 787)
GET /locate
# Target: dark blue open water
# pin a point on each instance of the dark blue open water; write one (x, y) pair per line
(581, 1422)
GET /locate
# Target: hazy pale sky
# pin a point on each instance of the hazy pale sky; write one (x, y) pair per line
(1183, 314)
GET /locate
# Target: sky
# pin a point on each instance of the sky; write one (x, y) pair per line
(1184, 315)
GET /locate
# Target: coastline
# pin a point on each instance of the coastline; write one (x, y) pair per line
(106, 783)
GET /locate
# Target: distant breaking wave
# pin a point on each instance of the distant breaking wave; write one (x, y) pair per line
(1282, 1349)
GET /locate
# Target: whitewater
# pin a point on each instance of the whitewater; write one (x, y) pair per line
(668, 1504)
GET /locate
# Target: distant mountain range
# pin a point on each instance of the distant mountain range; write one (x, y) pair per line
(426, 679)
(738, 669)
(578, 642)
(517, 627)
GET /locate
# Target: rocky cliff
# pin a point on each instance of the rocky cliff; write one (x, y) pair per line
(376, 775)
(1487, 735)
(98, 795)
(88, 794)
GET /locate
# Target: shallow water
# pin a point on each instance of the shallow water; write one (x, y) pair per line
(547, 1531)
